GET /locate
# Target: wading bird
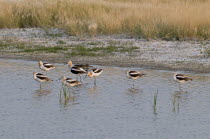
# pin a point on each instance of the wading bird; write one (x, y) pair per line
(77, 69)
(69, 82)
(180, 78)
(41, 78)
(134, 75)
(46, 66)
(94, 73)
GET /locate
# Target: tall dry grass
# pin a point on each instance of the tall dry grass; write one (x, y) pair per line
(164, 19)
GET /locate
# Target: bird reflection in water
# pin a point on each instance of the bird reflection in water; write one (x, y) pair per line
(64, 102)
(66, 96)
(134, 90)
(94, 90)
(42, 92)
(176, 98)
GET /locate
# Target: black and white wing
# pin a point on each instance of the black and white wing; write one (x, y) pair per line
(182, 77)
(43, 77)
(77, 70)
(47, 65)
(97, 70)
(134, 73)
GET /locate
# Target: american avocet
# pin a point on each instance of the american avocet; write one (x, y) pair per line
(180, 78)
(76, 69)
(94, 73)
(134, 75)
(69, 82)
(46, 66)
(41, 78)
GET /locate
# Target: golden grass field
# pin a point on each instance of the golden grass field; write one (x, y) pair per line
(150, 19)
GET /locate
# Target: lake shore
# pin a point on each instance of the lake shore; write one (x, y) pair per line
(116, 50)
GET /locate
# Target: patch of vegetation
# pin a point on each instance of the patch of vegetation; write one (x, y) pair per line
(152, 23)
(3, 45)
(175, 102)
(61, 42)
(80, 50)
(110, 49)
(207, 52)
(84, 51)
(75, 50)
(155, 102)
(21, 46)
(65, 95)
(45, 49)
(10, 45)
(94, 43)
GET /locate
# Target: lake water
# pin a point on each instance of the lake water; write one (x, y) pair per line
(112, 109)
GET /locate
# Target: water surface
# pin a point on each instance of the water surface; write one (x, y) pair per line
(112, 109)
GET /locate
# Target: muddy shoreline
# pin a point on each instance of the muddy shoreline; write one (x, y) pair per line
(154, 54)
(109, 61)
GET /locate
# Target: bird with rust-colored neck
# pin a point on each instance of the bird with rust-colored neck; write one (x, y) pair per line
(46, 66)
(94, 73)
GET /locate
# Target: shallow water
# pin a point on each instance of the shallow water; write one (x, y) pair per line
(111, 110)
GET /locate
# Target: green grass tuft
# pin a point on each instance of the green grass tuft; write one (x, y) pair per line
(61, 42)
(155, 101)
(45, 49)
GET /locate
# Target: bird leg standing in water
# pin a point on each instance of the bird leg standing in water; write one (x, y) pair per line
(180, 87)
(46, 66)
(77, 69)
(80, 78)
(134, 75)
(95, 81)
(180, 78)
(133, 83)
(41, 78)
(94, 73)
(40, 86)
(69, 82)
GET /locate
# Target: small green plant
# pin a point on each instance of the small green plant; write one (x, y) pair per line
(6, 44)
(61, 42)
(207, 52)
(155, 102)
(65, 92)
(64, 95)
(173, 100)
(45, 49)
(175, 103)
(94, 43)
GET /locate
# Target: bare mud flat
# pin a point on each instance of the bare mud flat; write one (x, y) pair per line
(117, 50)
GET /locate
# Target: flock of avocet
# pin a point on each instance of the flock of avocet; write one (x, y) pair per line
(91, 72)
